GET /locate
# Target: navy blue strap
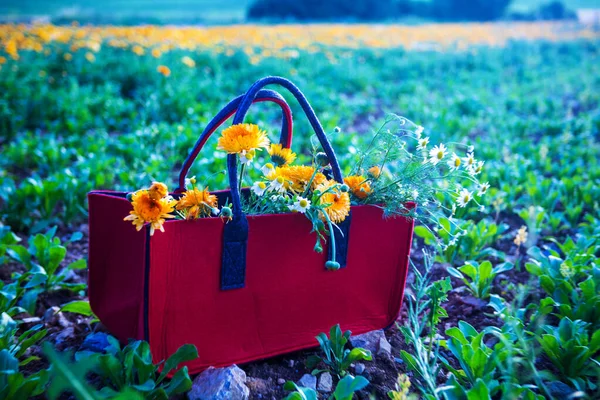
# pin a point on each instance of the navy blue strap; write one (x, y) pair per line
(224, 114)
(234, 253)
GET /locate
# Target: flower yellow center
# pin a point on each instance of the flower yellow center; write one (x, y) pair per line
(466, 198)
(303, 203)
(262, 185)
(280, 180)
(457, 162)
(440, 155)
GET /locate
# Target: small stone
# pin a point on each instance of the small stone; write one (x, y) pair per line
(257, 385)
(49, 314)
(280, 381)
(32, 320)
(359, 368)
(325, 383)
(220, 384)
(291, 363)
(385, 348)
(64, 335)
(96, 342)
(308, 381)
(369, 340)
(560, 390)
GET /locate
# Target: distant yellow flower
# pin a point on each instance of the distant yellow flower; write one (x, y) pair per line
(188, 61)
(358, 186)
(296, 177)
(156, 53)
(280, 155)
(90, 57)
(521, 237)
(337, 203)
(164, 70)
(150, 210)
(242, 137)
(197, 203)
(68, 56)
(375, 172)
(137, 49)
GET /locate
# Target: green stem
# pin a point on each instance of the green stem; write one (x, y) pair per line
(242, 170)
(331, 235)
(309, 183)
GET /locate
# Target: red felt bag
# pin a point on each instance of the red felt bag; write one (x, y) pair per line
(251, 288)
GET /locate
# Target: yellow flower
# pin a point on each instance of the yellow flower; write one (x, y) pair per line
(156, 53)
(375, 172)
(280, 155)
(188, 61)
(242, 137)
(90, 57)
(337, 203)
(68, 56)
(158, 190)
(296, 177)
(521, 237)
(137, 49)
(358, 185)
(197, 203)
(164, 70)
(150, 210)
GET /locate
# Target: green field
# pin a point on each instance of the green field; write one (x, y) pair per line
(94, 113)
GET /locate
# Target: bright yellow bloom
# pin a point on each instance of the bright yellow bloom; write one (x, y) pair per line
(375, 171)
(164, 70)
(158, 190)
(280, 155)
(149, 210)
(68, 56)
(243, 137)
(156, 53)
(188, 61)
(296, 177)
(358, 186)
(337, 203)
(137, 49)
(197, 203)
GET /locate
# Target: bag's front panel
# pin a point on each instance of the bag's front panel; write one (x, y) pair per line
(288, 298)
(116, 266)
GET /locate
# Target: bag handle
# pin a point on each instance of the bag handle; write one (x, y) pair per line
(235, 233)
(263, 95)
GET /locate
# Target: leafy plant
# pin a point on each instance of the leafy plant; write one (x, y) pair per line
(348, 385)
(337, 357)
(299, 393)
(132, 367)
(572, 349)
(478, 278)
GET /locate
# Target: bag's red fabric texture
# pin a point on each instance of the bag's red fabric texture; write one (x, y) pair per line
(166, 288)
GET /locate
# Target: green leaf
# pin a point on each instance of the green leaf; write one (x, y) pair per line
(348, 385)
(180, 383)
(479, 391)
(68, 377)
(79, 264)
(187, 352)
(55, 257)
(78, 307)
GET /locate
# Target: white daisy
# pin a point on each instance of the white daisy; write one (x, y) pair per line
(454, 162)
(267, 169)
(437, 153)
(277, 185)
(246, 157)
(259, 188)
(418, 131)
(476, 168)
(423, 143)
(464, 197)
(469, 160)
(415, 194)
(483, 188)
(301, 205)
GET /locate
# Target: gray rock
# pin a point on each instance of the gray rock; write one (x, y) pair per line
(49, 314)
(280, 381)
(220, 384)
(359, 368)
(325, 383)
(369, 340)
(385, 348)
(291, 363)
(308, 381)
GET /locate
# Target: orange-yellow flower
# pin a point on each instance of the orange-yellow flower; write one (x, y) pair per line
(336, 202)
(156, 53)
(375, 171)
(358, 186)
(158, 190)
(197, 203)
(150, 210)
(188, 61)
(280, 155)
(296, 177)
(164, 70)
(243, 137)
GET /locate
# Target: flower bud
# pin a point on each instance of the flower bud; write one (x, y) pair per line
(322, 159)
(318, 248)
(337, 129)
(344, 188)
(226, 212)
(129, 196)
(332, 265)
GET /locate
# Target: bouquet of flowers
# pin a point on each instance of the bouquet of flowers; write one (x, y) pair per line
(397, 168)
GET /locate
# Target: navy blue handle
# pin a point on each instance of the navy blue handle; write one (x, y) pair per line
(235, 234)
